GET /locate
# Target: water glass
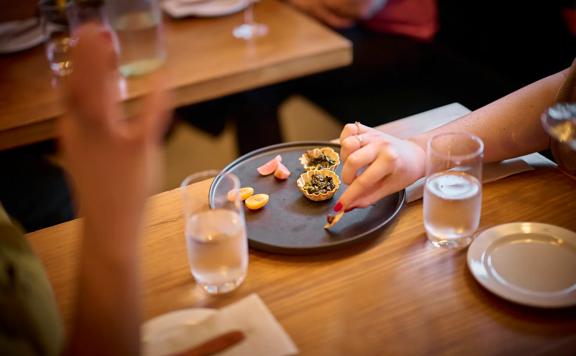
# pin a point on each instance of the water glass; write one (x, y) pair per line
(138, 25)
(215, 231)
(453, 189)
(559, 122)
(56, 30)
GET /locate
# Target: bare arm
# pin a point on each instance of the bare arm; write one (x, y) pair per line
(113, 163)
(510, 126)
(377, 164)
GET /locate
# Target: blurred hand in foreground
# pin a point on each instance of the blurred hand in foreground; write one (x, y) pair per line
(114, 163)
(113, 160)
(376, 164)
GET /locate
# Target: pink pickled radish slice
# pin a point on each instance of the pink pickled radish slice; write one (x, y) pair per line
(281, 172)
(270, 166)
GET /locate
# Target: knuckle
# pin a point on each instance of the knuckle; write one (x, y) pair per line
(347, 143)
(354, 161)
(361, 182)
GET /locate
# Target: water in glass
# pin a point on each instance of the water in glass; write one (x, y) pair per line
(452, 203)
(140, 36)
(217, 249)
(58, 54)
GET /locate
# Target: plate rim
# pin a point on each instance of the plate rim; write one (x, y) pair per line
(197, 9)
(290, 250)
(476, 255)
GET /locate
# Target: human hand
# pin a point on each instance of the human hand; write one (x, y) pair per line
(354, 9)
(319, 10)
(376, 165)
(113, 161)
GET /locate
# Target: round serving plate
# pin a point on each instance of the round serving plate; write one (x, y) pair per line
(292, 224)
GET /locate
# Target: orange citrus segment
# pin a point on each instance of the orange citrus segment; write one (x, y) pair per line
(244, 193)
(257, 201)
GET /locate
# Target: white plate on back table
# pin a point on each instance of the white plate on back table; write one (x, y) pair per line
(528, 263)
(203, 8)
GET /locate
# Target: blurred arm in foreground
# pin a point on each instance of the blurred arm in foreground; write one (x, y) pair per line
(113, 164)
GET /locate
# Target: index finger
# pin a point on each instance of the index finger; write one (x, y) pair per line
(370, 181)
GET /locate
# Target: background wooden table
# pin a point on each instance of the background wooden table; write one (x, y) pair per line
(204, 62)
(391, 295)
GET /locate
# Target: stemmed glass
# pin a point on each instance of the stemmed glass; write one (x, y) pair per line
(250, 29)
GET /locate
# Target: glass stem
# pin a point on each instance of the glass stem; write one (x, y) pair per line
(249, 14)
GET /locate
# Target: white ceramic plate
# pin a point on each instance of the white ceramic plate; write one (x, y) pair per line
(20, 35)
(163, 335)
(211, 8)
(528, 263)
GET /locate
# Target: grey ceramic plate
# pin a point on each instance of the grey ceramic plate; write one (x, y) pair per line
(292, 224)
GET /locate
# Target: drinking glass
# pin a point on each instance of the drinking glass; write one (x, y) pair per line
(57, 33)
(215, 233)
(138, 25)
(559, 121)
(250, 29)
(453, 189)
(91, 11)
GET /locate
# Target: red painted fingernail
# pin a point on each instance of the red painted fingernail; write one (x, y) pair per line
(338, 207)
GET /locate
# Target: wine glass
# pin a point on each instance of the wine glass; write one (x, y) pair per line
(250, 29)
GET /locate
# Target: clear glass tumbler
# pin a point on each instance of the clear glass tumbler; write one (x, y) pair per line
(56, 30)
(138, 25)
(453, 189)
(215, 233)
(559, 121)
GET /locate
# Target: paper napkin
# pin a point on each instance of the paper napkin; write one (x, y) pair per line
(263, 334)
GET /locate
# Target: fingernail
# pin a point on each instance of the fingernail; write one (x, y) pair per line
(338, 207)
(106, 35)
(349, 210)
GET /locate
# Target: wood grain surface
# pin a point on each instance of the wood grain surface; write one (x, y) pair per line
(393, 295)
(204, 62)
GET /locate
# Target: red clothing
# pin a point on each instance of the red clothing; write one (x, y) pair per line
(413, 18)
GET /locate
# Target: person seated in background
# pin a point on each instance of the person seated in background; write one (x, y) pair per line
(413, 55)
(376, 164)
(114, 164)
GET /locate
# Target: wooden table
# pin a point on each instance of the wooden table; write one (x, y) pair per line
(391, 295)
(204, 62)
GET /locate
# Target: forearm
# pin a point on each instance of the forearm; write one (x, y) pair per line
(510, 126)
(107, 316)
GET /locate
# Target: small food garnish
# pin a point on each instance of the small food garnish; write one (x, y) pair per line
(270, 166)
(244, 192)
(257, 201)
(331, 220)
(319, 160)
(281, 172)
(318, 185)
